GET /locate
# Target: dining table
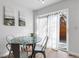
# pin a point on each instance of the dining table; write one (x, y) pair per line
(23, 40)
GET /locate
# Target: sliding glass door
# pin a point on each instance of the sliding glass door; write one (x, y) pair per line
(53, 31)
(50, 25)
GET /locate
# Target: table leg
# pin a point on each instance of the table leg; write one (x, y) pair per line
(33, 47)
(16, 50)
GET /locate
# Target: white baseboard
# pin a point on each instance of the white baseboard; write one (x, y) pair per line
(73, 54)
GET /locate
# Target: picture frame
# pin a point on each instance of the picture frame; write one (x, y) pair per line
(21, 20)
(8, 20)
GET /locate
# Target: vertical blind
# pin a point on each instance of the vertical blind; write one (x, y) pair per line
(42, 27)
(49, 26)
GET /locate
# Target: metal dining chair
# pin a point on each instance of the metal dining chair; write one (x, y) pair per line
(8, 45)
(41, 48)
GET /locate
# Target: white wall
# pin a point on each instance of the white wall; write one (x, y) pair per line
(73, 20)
(14, 30)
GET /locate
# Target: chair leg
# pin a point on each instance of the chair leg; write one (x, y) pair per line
(34, 54)
(9, 54)
(44, 54)
(40, 52)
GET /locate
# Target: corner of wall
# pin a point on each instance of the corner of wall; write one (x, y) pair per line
(73, 54)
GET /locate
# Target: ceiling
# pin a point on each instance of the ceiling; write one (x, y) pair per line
(34, 4)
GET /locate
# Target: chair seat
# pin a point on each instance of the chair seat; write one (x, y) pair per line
(39, 48)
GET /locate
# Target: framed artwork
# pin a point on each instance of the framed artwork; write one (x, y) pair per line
(21, 20)
(8, 19)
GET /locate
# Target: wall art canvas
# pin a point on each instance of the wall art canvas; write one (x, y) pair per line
(9, 19)
(21, 20)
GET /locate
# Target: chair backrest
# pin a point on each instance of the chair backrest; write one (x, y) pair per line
(45, 42)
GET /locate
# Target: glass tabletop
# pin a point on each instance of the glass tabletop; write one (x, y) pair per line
(25, 40)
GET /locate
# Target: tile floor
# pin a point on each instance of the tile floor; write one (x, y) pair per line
(50, 53)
